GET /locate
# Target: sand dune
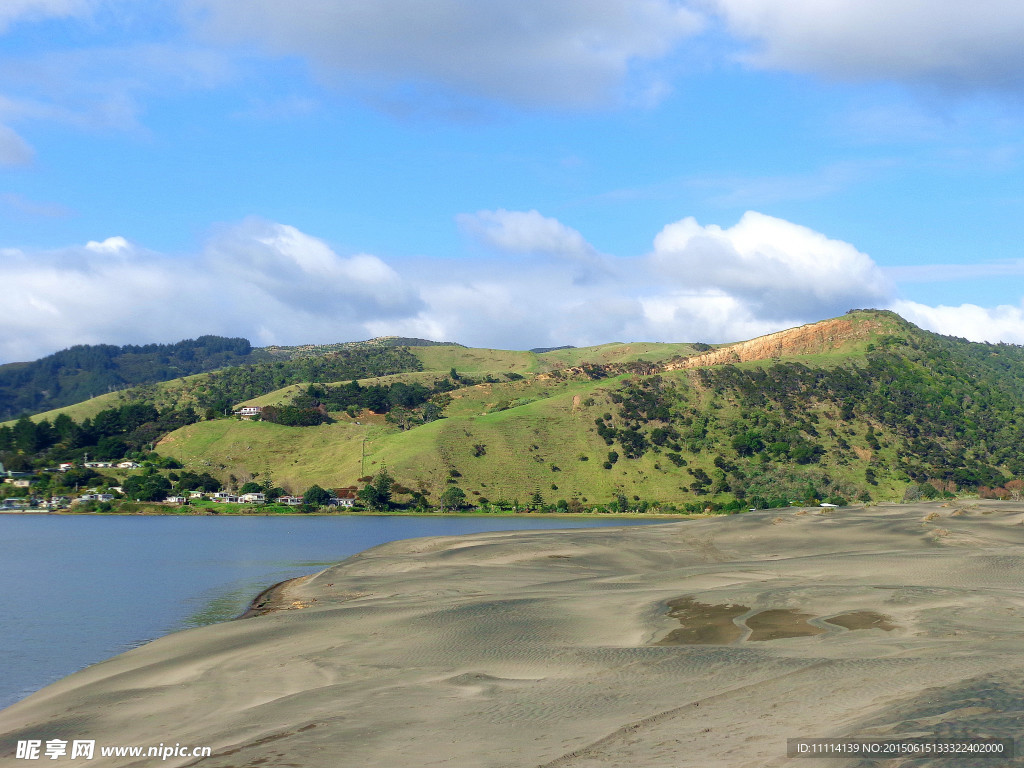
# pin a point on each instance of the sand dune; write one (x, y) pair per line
(697, 643)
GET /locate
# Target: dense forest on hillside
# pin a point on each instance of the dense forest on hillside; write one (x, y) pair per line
(84, 371)
(946, 414)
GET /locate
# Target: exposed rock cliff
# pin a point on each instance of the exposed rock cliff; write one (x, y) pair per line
(825, 336)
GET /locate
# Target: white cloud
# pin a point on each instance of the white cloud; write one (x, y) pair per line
(778, 269)
(112, 246)
(273, 283)
(969, 321)
(268, 282)
(529, 233)
(525, 232)
(14, 150)
(946, 42)
(571, 53)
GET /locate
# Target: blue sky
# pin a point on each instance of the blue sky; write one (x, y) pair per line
(505, 174)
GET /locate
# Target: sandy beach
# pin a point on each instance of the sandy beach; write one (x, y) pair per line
(698, 643)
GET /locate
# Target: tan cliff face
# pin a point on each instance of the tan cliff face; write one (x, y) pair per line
(805, 340)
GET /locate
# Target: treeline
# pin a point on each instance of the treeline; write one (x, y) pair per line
(84, 371)
(111, 434)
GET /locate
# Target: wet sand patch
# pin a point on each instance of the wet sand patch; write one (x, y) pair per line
(862, 620)
(780, 623)
(703, 623)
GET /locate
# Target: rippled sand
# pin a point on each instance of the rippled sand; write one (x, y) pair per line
(697, 643)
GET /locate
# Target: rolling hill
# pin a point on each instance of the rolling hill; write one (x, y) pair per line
(857, 407)
(861, 407)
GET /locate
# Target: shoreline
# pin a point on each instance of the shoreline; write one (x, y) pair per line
(555, 515)
(699, 644)
(271, 599)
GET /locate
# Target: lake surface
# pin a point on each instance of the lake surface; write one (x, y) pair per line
(80, 589)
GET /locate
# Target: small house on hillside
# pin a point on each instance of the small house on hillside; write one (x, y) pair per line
(248, 411)
(290, 501)
(128, 464)
(253, 498)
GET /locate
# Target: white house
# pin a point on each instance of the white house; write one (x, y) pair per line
(195, 494)
(99, 464)
(128, 464)
(96, 497)
(253, 498)
(248, 411)
(290, 501)
(176, 500)
(65, 466)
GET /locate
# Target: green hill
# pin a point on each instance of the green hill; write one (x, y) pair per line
(860, 407)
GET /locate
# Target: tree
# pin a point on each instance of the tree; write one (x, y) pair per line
(251, 487)
(377, 494)
(453, 498)
(147, 487)
(25, 436)
(316, 496)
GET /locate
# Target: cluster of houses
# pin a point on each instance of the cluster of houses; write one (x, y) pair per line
(343, 497)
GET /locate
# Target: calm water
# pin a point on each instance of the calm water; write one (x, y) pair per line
(78, 590)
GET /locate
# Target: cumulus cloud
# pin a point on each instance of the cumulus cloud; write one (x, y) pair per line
(525, 232)
(571, 53)
(266, 281)
(275, 284)
(1001, 323)
(778, 269)
(947, 42)
(533, 234)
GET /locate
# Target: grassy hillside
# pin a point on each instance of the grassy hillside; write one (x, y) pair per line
(672, 433)
(865, 406)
